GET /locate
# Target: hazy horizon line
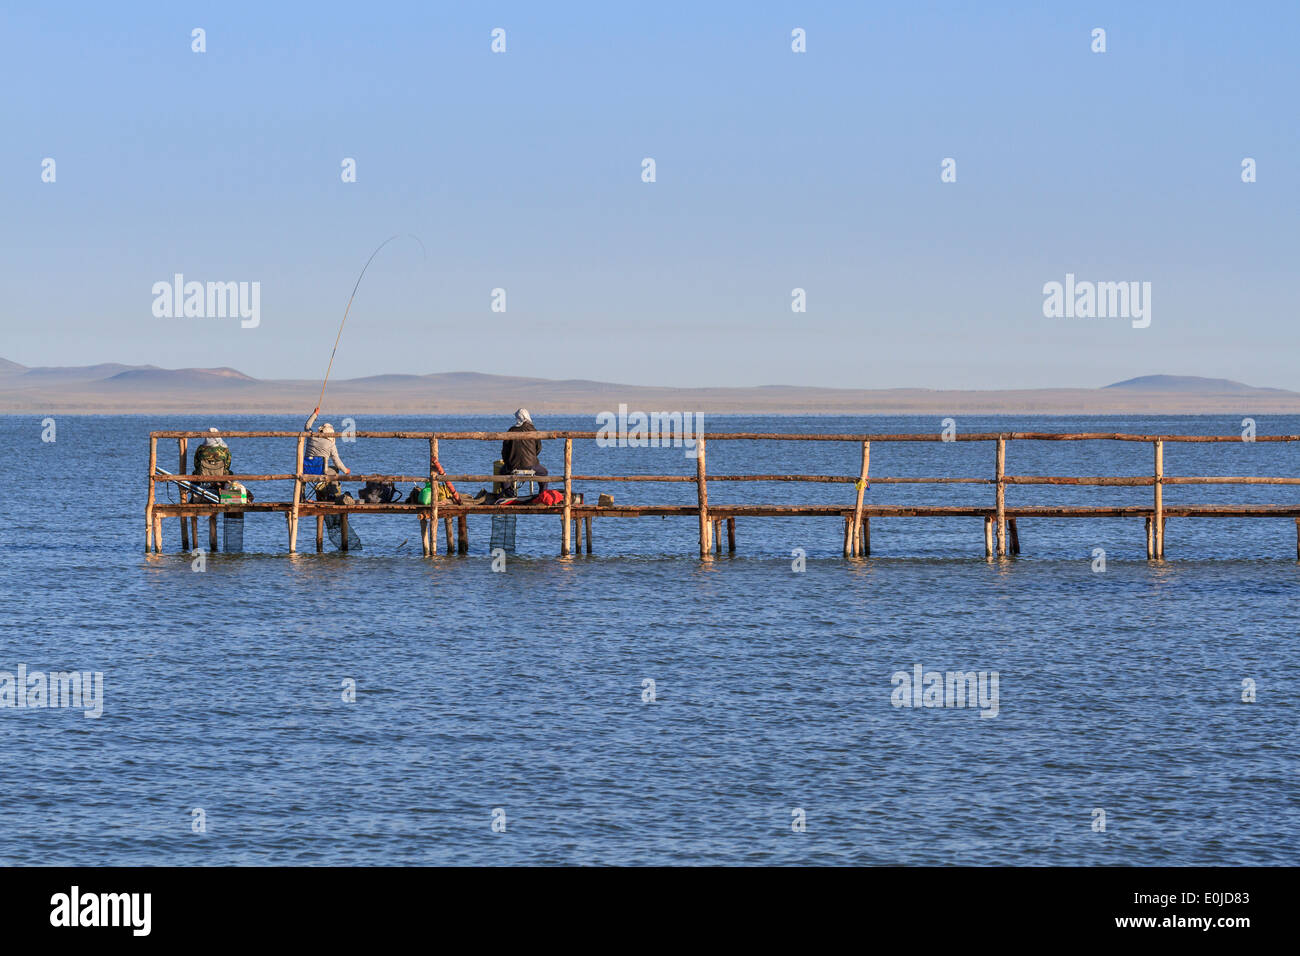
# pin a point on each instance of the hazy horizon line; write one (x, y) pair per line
(149, 366)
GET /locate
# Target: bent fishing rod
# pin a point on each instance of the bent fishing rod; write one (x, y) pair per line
(321, 401)
(338, 337)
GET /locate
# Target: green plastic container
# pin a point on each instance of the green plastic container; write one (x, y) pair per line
(426, 494)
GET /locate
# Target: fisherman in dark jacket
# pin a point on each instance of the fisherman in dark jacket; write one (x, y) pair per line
(520, 454)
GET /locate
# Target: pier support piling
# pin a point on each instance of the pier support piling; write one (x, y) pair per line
(565, 546)
(702, 493)
(852, 546)
(1000, 476)
(149, 543)
(297, 494)
(433, 497)
(1159, 516)
(183, 445)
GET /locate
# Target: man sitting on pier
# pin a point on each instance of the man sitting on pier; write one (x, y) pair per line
(520, 454)
(321, 445)
(212, 457)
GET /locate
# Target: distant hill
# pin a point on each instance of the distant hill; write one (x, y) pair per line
(117, 388)
(80, 373)
(179, 378)
(1188, 383)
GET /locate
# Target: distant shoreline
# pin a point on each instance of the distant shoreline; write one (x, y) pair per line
(342, 399)
(143, 390)
(341, 404)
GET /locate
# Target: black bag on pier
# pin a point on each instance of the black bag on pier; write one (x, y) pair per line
(379, 493)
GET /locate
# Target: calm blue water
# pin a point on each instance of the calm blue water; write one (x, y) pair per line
(523, 690)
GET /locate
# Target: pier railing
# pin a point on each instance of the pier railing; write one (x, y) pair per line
(999, 519)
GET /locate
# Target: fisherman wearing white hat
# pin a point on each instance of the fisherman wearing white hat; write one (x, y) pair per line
(520, 454)
(321, 445)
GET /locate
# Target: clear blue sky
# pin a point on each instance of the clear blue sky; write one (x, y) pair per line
(775, 170)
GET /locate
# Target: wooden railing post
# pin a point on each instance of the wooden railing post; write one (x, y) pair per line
(433, 497)
(855, 545)
(427, 519)
(1000, 475)
(702, 491)
(149, 543)
(568, 496)
(297, 494)
(183, 445)
(1158, 519)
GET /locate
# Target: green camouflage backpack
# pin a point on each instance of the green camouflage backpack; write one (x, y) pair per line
(211, 460)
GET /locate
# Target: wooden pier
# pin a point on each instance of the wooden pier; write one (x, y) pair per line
(1001, 534)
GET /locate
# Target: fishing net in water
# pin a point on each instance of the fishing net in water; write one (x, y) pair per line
(503, 533)
(232, 532)
(334, 528)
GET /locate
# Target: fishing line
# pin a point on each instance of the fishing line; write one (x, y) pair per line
(330, 367)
